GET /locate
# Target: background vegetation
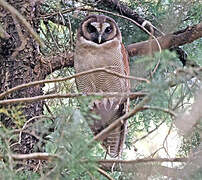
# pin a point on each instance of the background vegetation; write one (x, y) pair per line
(164, 138)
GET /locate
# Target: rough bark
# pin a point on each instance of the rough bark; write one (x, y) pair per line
(18, 58)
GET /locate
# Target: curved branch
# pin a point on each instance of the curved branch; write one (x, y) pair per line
(130, 13)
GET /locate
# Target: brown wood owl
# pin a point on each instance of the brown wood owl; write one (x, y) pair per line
(99, 44)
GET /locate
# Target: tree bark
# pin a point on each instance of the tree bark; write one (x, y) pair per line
(18, 59)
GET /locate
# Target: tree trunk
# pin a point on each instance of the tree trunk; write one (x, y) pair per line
(18, 58)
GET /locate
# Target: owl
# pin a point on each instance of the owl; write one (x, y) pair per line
(99, 45)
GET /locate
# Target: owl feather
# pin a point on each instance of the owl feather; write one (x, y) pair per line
(99, 45)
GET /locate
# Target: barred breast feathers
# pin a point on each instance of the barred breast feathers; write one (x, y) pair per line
(89, 55)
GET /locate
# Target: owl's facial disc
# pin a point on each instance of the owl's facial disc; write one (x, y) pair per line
(99, 31)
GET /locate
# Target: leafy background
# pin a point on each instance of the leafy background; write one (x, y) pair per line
(63, 130)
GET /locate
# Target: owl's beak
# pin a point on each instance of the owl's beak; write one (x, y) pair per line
(99, 38)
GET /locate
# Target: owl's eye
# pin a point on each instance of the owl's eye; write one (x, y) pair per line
(91, 29)
(108, 30)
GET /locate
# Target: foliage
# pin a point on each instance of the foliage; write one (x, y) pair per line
(63, 129)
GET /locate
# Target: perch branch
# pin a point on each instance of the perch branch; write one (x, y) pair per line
(167, 41)
(144, 160)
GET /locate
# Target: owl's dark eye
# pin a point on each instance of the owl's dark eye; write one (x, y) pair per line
(91, 29)
(108, 30)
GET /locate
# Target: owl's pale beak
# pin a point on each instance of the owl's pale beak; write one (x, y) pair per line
(99, 38)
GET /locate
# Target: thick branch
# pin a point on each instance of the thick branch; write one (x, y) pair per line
(144, 160)
(50, 64)
(175, 39)
(144, 170)
(130, 13)
(145, 166)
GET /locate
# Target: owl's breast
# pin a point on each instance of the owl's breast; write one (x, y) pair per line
(108, 56)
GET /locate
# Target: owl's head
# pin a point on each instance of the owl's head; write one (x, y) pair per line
(99, 29)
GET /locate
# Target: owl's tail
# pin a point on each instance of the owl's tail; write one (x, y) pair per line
(110, 109)
(115, 141)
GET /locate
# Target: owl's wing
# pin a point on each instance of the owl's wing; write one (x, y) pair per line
(124, 128)
(126, 65)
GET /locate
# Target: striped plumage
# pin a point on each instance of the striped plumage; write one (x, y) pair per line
(99, 44)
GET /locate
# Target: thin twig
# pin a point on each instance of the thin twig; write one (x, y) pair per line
(71, 77)
(104, 173)
(143, 137)
(70, 95)
(102, 135)
(145, 160)
(169, 111)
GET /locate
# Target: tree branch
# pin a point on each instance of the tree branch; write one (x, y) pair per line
(71, 95)
(102, 135)
(130, 13)
(47, 65)
(144, 160)
(2, 95)
(38, 156)
(168, 41)
(175, 39)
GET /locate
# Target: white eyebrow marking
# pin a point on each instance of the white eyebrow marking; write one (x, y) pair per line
(99, 27)
(96, 25)
(105, 25)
